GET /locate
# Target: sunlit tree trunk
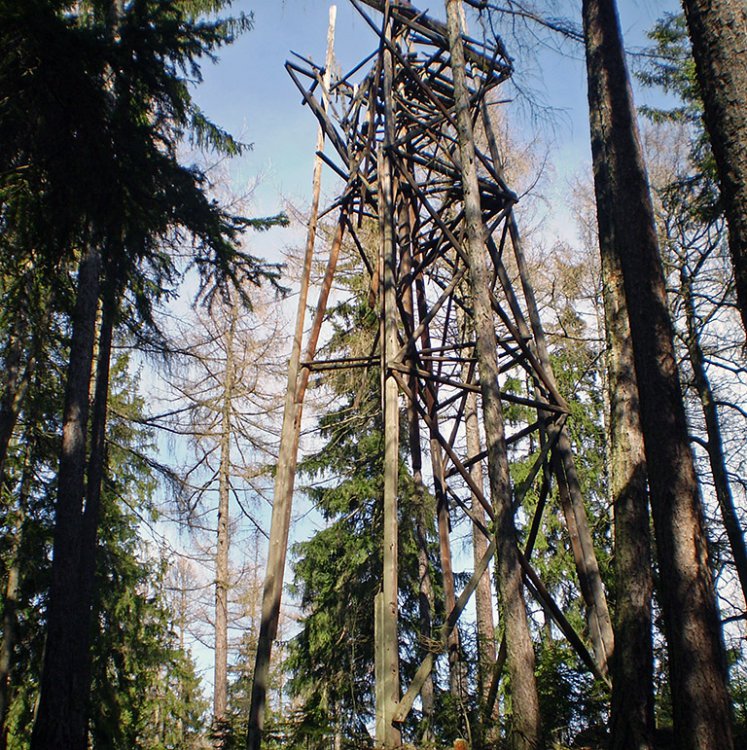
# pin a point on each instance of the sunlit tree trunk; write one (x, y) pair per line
(220, 687)
(632, 710)
(625, 216)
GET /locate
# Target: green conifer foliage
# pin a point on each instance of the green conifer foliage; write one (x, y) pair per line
(145, 693)
(338, 571)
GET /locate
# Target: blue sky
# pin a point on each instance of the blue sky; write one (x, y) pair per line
(249, 93)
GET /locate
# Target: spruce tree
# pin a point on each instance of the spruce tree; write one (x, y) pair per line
(337, 572)
(130, 63)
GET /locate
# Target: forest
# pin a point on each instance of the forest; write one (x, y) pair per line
(425, 477)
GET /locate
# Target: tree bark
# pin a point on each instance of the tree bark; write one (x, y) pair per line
(632, 710)
(526, 718)
(60, 720)
(701, 706)
(94, 487)
(718, 30)
(715, 446)
(220, 679)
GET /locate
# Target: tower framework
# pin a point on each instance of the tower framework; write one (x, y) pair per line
(456, 328)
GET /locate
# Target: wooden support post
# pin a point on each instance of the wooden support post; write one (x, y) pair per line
(287, 459)
(387, 645)
(442, 504)
(406, 240)
(380, 668)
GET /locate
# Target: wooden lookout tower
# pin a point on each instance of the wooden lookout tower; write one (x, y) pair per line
(410, 133)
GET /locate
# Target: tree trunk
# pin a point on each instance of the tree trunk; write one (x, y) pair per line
(92, 512)
(718, 30)
(716, 457)
(526, 719)
(181, 687)
(387, 642)
(60, 719)
(632, 710)
(220, 682)
(17, 377)
(700, 700)
(10, 608)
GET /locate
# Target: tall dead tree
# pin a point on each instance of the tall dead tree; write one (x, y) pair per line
(225, 407)
(220, 671)
(626, 225)
(288, 452)
(718, 30)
